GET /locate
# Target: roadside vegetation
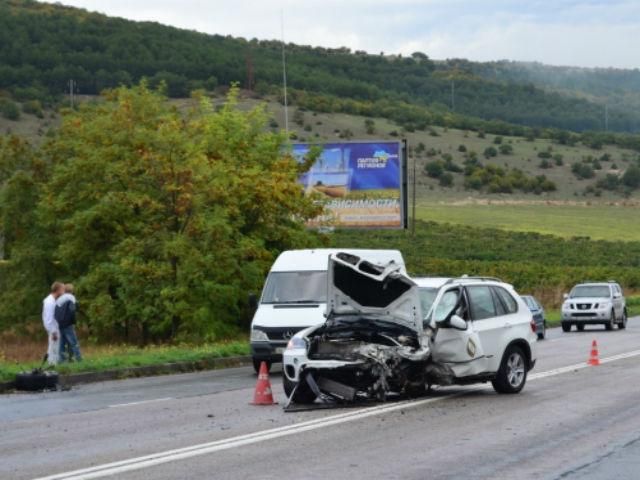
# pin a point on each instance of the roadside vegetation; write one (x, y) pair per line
(18, 355)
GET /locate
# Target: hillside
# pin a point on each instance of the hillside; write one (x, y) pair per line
(42, 46)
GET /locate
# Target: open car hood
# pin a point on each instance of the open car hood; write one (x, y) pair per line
(363, 288)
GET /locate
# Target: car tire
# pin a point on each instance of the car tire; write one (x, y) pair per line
(257, 363)
(580, 328)
(612, 321)
(623, 323)
(512, 374)
(303, 394)
(566, 327)
(542, 333)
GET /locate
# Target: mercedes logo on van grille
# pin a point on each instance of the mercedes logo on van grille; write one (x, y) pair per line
(287, 335)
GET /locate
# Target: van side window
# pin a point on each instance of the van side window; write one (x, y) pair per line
(481, 302)
(510, 305)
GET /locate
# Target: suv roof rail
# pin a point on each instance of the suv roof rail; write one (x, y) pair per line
(483, 279)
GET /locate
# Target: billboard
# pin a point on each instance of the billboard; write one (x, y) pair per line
(362, 184)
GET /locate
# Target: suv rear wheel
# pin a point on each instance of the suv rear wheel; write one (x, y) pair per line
(512, 374)
(623, 323)
(612, 321)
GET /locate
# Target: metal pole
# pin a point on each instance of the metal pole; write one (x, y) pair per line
(413, 199)
(284, 77)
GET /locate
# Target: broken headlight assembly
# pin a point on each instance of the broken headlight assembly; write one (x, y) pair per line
(258, 336)
(297, 343)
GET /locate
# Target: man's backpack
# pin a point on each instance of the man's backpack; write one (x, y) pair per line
(65, 314)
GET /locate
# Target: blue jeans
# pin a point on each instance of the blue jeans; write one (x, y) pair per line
(69, 341)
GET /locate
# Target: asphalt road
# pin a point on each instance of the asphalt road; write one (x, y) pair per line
(570, 422)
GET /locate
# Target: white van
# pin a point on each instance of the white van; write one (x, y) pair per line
(295, 297)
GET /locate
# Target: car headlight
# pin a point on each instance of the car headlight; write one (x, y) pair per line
(604, 305)
(566, 306)
(258, 335)
(296, 343)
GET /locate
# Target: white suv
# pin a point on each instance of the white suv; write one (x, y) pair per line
(387, 334)
(594, 303)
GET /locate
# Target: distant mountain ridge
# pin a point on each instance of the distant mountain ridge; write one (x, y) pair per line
(43, 46)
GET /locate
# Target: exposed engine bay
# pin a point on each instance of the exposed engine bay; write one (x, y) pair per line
(384, 358)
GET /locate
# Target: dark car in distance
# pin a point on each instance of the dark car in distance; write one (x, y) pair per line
(538, 315)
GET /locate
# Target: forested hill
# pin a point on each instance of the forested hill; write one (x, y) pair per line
(42, 46)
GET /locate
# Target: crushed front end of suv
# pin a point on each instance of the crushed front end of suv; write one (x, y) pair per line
(377, 342)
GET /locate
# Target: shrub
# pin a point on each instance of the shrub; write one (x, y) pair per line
(446, 180)
(582, 171)
(544, 163)
(558, 159)
(497, 140)
(490, 152)
(9, 109)
(434, 169)
(462, 148)
(33, 107)
(506, 149)
(544, 154)
(631, 177)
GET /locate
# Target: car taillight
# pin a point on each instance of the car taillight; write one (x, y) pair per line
(533, 325)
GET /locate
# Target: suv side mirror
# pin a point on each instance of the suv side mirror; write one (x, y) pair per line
(617, 295)
(253, 301)
(458, 323)
(565, 296)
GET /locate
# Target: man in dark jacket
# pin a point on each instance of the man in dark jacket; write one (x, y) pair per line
(65, 315)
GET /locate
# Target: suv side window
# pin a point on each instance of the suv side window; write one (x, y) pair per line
(481, 302)
(509, 303)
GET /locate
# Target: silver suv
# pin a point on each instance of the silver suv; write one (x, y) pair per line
(594, 304)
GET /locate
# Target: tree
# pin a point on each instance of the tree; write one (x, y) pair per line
(490, 152)
(369, 126)
(631, 177)
(167, 220)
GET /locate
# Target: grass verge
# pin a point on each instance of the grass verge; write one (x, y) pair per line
(122, 357)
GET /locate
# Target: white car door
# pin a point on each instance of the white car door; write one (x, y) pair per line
(461, 350)
(491, 321)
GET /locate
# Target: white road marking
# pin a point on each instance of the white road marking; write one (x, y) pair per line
(117, 405)
(159, 458)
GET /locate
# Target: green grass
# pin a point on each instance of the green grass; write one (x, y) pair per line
(600, 222)
(123, 357)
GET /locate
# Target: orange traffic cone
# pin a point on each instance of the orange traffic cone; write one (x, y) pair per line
(263, 394)
(594, 357)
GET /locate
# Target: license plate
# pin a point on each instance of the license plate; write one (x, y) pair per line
(280, 350)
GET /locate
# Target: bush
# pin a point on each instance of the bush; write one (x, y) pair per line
(609, 182)
(462, 148)
(506, 149)
(497, 140)
(446, 180)
(490, 152)
(582, 171)
(9, 109)
(558, 159)
(544, 154)
(33, 107)
(545, 164)
(434, 169)
(631, 177)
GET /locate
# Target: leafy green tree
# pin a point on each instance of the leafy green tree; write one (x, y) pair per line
(167, 220)
(490, 152)
(434, 169)
(631, 177)
(370, 126)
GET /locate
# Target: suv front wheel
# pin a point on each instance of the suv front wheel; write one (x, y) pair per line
(512, 374)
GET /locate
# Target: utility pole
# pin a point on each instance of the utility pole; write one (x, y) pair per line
(284, 77)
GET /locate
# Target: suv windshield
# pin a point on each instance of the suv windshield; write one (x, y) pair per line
(295, 287)
(584, 291)
(427, 296)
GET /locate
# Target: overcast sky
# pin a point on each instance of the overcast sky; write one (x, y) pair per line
(591, 33)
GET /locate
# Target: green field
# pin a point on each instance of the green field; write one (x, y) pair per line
(599, 222)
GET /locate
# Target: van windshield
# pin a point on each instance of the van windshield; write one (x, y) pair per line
(296, 287)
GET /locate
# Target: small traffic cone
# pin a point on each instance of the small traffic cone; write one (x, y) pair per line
(594, 357)
(263, 394)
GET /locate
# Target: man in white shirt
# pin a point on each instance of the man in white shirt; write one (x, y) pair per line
(49, 321)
